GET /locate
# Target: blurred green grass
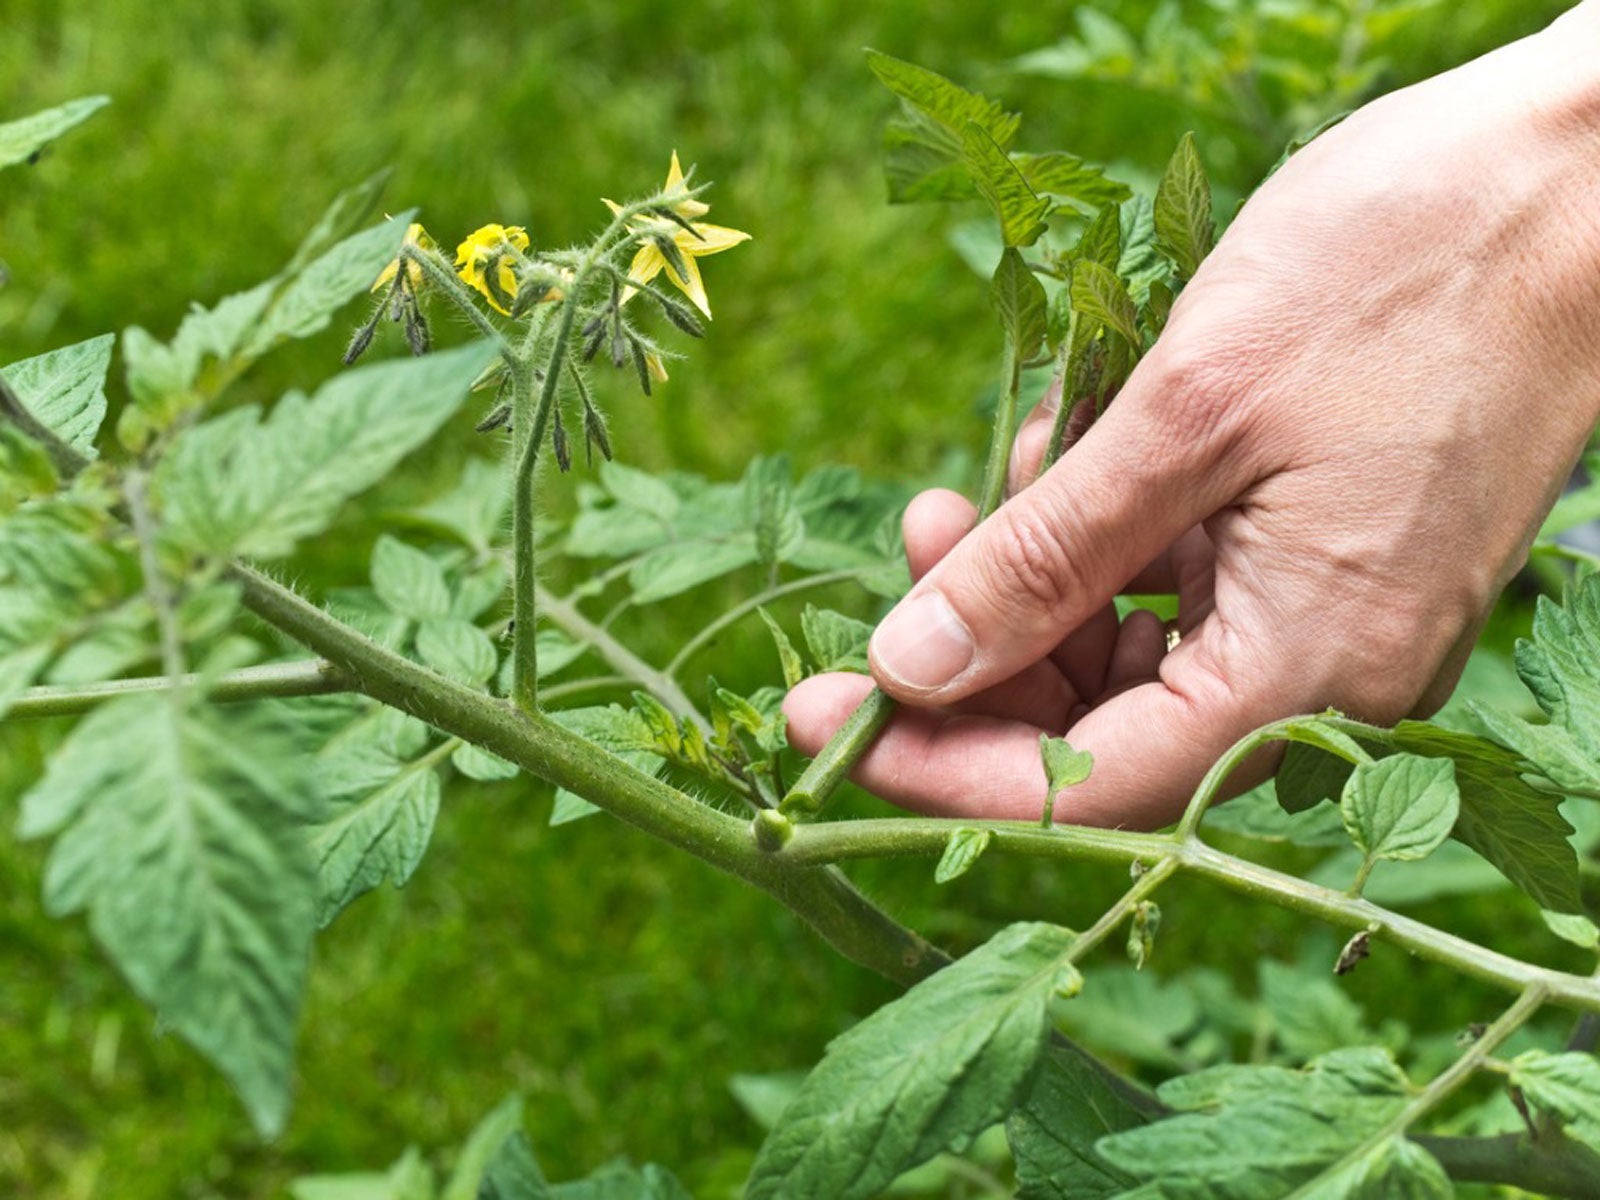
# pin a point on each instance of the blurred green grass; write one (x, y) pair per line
(615, 983)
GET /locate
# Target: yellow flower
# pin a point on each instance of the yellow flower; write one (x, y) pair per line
(656, 367)
(487, 246)
(418, 237)
(706, 239)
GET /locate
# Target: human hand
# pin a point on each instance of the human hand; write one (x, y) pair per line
(1337, 455)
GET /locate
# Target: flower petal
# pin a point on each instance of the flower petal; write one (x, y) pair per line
(713, 239)
(693, 287)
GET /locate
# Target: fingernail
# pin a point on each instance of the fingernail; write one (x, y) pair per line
(923, 644)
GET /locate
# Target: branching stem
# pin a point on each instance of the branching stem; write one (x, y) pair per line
(1446, 1082)
(316, 677)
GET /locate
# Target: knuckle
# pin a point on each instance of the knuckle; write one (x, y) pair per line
(1205, 386)
(1028, 566)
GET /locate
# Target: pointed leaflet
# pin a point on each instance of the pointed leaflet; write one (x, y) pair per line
(1099, 295)
(66, 389)
(1018, 297)
(408, 581)
(928, 1071)
(1401, 807)
(622, 1181)
(836, 642)
(1561, 666)
(181, 834)
(23, 138)
(1184, 230)
(457, 650)
(923, 158)
(1060, 174)
(1515, 826)
(1017, 207)
(1260, 1132)
(382, 792)
(241, 485)
(486, 1146)
(1053, 1133)
(1394, 1169)
(1567, 1086)
(168, 379)
(962, 850)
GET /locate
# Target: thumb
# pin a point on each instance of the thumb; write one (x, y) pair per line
(1153, 467)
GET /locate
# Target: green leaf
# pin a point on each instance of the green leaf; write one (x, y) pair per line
(182, 836)
(1394, 1169)
(408, 581)
(1101, 241)
(1017, 207)
(240, 485)
(1099, 295)
(458, 650)
(66, 389)
(1308, 776)
(1060, 174)
(513, 1172)
(928, 1071)
(836, 642)
(1064, 767)
(1184, 229)
(482, 1147)
(383, 799)
(1310, 1013)
(1401, 807)
(477, 763)
(1567, 1086)
(313, 293)
(1018, 296)
(20, 140)
(620, 1181)
(1510, 823)
(409, 1179)
(923, 149)
(1260, 1132)
(170, 380)
(637, 489)
(570, 807)
(788, 657)
(960, 852)
(1136, 1015)
(675, 569)
(1561, 666)
(474, 511)
(1053, 1133)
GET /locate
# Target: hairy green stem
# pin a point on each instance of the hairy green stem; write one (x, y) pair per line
(659, 684)
(316, 677)
(529, 421)
(433, 265)
(822, 897)
(1005, 431)
(1143, 887)
(135, 487)
(898, 837)
(1446, 1082)
(827, 770)
(1553, 1166)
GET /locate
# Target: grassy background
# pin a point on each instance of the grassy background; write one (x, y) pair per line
(619, 986)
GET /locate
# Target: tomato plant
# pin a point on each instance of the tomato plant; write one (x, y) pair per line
(250, 759)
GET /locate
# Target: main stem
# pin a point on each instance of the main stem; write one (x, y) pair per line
(824, 898)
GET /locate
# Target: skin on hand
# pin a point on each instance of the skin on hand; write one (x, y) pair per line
(1337, 455)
